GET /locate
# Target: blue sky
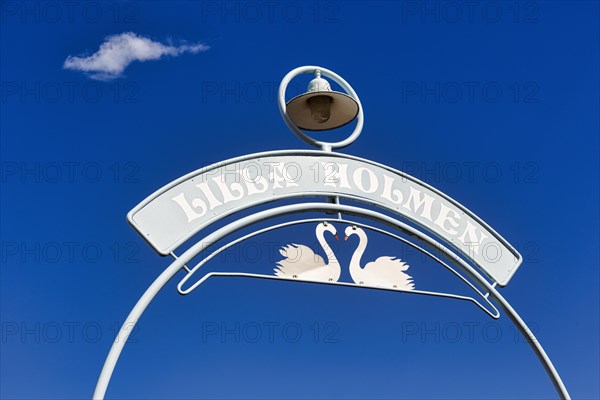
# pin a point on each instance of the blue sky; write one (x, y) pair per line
(494, 103)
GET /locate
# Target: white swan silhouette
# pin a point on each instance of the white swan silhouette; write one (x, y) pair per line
(302, 263)
(383, 272)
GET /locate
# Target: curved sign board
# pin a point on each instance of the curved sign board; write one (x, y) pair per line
(174, 213)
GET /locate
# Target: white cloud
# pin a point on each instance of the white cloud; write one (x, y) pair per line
(118, 51)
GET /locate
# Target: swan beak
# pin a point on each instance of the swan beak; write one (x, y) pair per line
(336, 237)
(345, 237)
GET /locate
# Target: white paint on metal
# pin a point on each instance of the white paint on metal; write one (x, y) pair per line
(385, 271)
(494, 314)
(186, 257)
(427, 207)
(301, 262)
(181, 209)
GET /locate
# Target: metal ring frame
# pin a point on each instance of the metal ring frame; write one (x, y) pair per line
(225, 231)
(327, 146)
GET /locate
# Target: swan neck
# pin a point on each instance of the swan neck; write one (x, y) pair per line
(326, 248)
(358, 253)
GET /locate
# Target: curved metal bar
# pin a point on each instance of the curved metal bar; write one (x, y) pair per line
(495, 314)
(185, 258)
(327, 146)
(346, 284)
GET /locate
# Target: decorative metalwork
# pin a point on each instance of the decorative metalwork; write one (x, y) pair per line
(491, 310)
(301, 262)
(188, 205)
(185, 207)
(383, 272)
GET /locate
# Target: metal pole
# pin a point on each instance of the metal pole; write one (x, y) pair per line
(533, 343)
(129, 325)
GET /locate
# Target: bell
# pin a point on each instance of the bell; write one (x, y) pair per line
(320, 108)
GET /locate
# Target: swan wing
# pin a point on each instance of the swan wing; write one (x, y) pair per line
(390, 271)
(392, 263)
(298, 259)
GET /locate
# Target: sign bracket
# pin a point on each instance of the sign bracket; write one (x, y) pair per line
(185, 267)
(488, 293)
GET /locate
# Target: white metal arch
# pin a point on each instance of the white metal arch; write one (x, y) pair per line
(186, 257)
